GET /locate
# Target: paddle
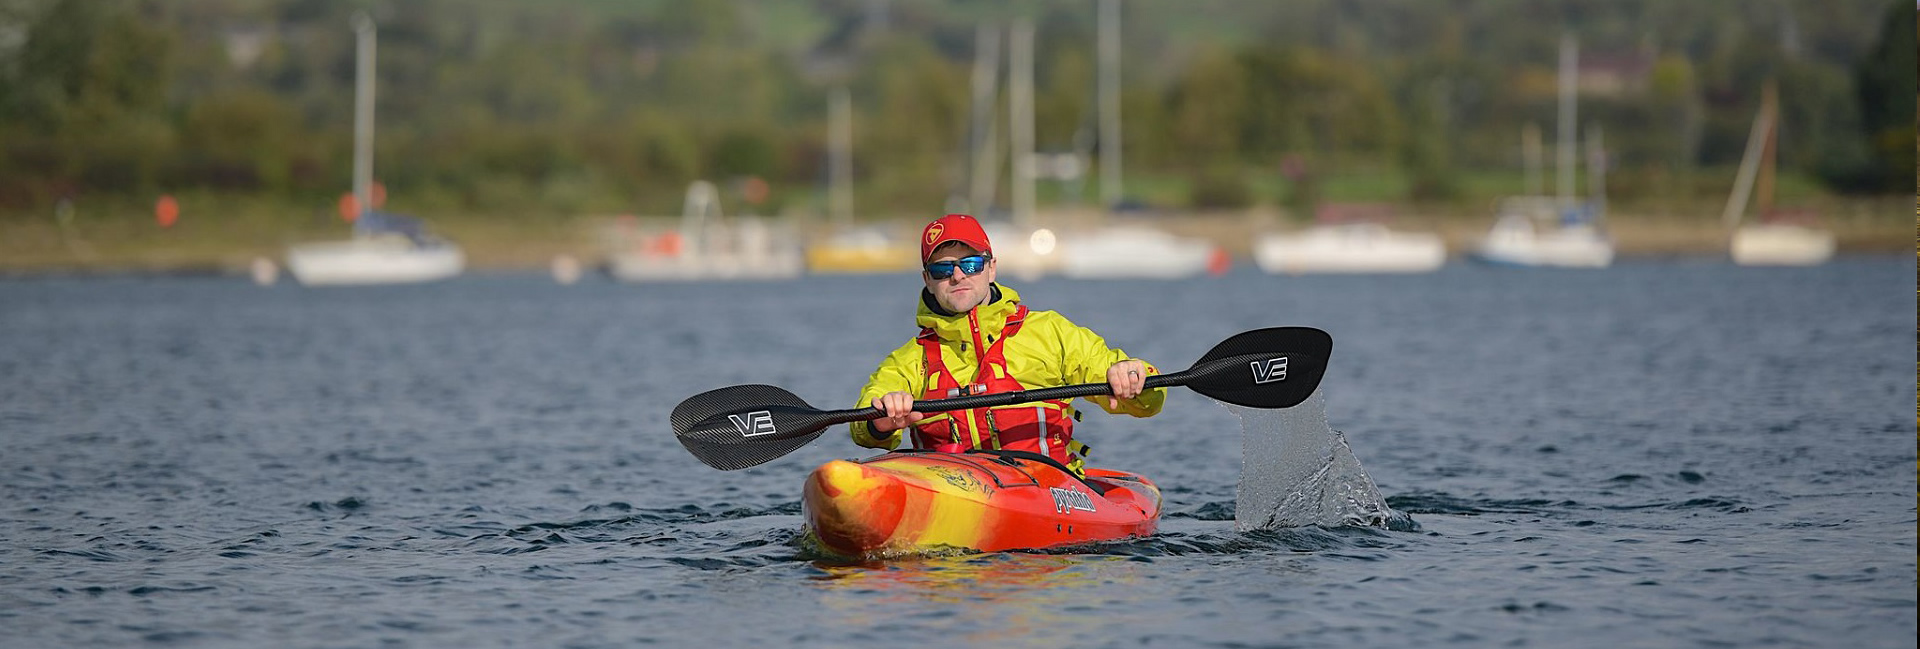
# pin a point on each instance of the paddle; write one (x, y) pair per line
(747, 425)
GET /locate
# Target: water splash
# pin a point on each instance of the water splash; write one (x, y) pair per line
(1297, 471)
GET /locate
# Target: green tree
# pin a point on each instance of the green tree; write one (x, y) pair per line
(1207, 112)
(1426, 153)
(241, 139)
(81, 108)
(1885, 80)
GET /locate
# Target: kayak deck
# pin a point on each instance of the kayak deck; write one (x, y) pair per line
(920, 502)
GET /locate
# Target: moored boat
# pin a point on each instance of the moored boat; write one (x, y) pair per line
(1540, 231)
(1776, 237)
(1138, 252)
(1349, 248)
(1781, 244)
(386, 249)
(920, 502)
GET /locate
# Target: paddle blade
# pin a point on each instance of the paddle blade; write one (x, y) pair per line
(1277, 367)
(744, 425)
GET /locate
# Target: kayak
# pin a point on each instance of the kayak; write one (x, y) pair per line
(926, 502)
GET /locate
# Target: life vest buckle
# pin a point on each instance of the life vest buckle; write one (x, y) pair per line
(965, 390)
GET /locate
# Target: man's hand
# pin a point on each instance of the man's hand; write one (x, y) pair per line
(898, 407)
(1128, 379)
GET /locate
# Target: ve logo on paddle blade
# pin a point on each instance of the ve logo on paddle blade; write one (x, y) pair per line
(753, 424)
(1272, 370)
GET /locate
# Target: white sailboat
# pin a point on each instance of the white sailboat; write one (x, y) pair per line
(386, 248)
(1773, 239)
(1540, 231)
(1115, 251)
(1561, 232)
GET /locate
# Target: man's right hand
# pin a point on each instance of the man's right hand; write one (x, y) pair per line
(898, 407)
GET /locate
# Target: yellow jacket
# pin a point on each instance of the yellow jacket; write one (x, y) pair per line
(1049, 351)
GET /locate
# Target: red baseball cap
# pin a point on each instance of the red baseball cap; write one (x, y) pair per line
(953, 227)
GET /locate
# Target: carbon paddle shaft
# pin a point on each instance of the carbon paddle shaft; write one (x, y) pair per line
(1003, 398)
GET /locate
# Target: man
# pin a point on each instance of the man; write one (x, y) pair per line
(977, 338)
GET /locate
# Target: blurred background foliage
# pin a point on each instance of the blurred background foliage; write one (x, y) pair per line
(568, 107)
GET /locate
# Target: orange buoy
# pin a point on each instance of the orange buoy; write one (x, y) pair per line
(349, 207)
(166, 211)
(754, 190)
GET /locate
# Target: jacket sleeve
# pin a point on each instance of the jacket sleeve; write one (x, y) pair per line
(901, 371)
(1087, 357)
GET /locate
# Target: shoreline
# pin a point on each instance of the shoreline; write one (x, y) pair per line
(30, 250)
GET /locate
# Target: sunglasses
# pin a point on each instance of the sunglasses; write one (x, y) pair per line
(971, 265)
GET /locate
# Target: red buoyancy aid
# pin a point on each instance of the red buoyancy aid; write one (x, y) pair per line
(1044, 427)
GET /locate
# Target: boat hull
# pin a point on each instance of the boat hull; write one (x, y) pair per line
(1136, 253)
(909, 503)
(1567, 247)
(1363, 248)
(382, 260)
(1781, 245)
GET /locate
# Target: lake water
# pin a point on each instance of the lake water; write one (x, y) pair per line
(1668, 453)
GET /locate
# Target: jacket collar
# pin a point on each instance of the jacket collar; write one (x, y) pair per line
(992, 315)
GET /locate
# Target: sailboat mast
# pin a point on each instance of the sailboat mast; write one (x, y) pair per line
(1769, 154)
(1531, 155)
(1597, 170)
(986, 131)
(1569, 73)
(1020, 110)
(1758, 141)
(364, 37)
(1109, 55)
(840, 157)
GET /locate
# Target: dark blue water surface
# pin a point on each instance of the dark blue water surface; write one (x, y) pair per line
(1674, 453)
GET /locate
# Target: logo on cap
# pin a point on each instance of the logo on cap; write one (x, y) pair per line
(933, 233)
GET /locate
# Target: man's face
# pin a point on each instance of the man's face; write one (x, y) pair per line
(959, 292)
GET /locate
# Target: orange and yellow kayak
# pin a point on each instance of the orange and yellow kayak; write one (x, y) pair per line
(921, 502)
